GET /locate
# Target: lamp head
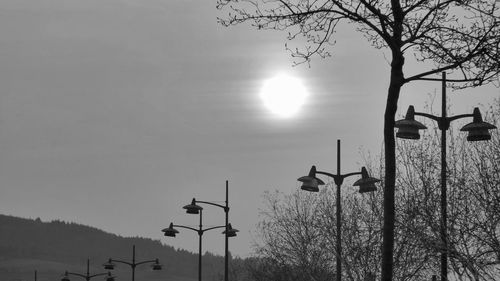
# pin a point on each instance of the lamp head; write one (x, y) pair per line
(109, 265)
(408, 127)
(366, 183)
(478, 129)
(311, 182)
(193, 208)
(156, 265)
(170, 230)
(231, 232)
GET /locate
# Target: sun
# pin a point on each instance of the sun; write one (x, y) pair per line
(283, 95)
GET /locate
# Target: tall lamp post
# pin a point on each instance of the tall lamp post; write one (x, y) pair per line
(87, 276)
(171, 232)
(110, 265)
(195, 209)
(312, 183)
(408, 128)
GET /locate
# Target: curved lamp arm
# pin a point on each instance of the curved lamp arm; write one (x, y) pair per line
(132, 264)
(148, 261)
(186, 227)
(87, 277)
(213, 204)
(199, 231)
(338, 179)
(215, 227)
(120, 261)
(443, 122)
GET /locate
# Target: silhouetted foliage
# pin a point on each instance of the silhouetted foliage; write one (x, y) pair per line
(298, 236)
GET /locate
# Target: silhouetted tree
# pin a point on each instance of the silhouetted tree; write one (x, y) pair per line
(474, 186)
(442, 35)
(297, 238)
(292, 245)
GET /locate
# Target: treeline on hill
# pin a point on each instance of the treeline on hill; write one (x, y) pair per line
(53, 247)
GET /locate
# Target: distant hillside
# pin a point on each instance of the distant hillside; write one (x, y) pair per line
(51, 248)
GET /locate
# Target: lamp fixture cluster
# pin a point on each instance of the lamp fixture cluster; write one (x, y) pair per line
(110, 265)
(108, 277)
(195, 209)
(311, 182)
(478, 130)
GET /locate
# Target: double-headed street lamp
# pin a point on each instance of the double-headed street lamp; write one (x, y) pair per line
(87, 276)
(110, 265)
(478, 130)
(312, 183)
(171, 231)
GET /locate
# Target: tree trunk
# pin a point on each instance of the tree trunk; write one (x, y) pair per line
(396, 82)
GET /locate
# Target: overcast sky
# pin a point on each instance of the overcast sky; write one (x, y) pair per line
(116, 113)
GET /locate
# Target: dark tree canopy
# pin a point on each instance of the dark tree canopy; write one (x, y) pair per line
(451, 34)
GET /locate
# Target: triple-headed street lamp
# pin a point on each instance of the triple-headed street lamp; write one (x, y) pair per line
(171, 231)
(193, 208)
(87, 276)
(110, 265)
(408, 128)
(312, 183)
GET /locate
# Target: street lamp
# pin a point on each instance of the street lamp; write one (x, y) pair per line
(171, 232)
(195, 209)
(312, 183)
(87, 276)
(110, 264)
(478, 130)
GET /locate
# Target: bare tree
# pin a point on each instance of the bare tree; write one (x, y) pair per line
(297, 231)
(290, 238)
(474, 183)
(460, 35)
(297, 238)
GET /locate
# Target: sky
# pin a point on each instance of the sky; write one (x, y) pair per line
(116, 113)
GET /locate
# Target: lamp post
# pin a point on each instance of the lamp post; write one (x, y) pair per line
(195, 209)
(87, 276)
(171, 232)
(408, 128)
(110, 264)
(312, 183)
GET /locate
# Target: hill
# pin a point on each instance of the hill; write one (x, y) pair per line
(51, 248)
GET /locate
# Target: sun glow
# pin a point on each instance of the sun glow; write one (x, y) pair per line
(283, 95)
